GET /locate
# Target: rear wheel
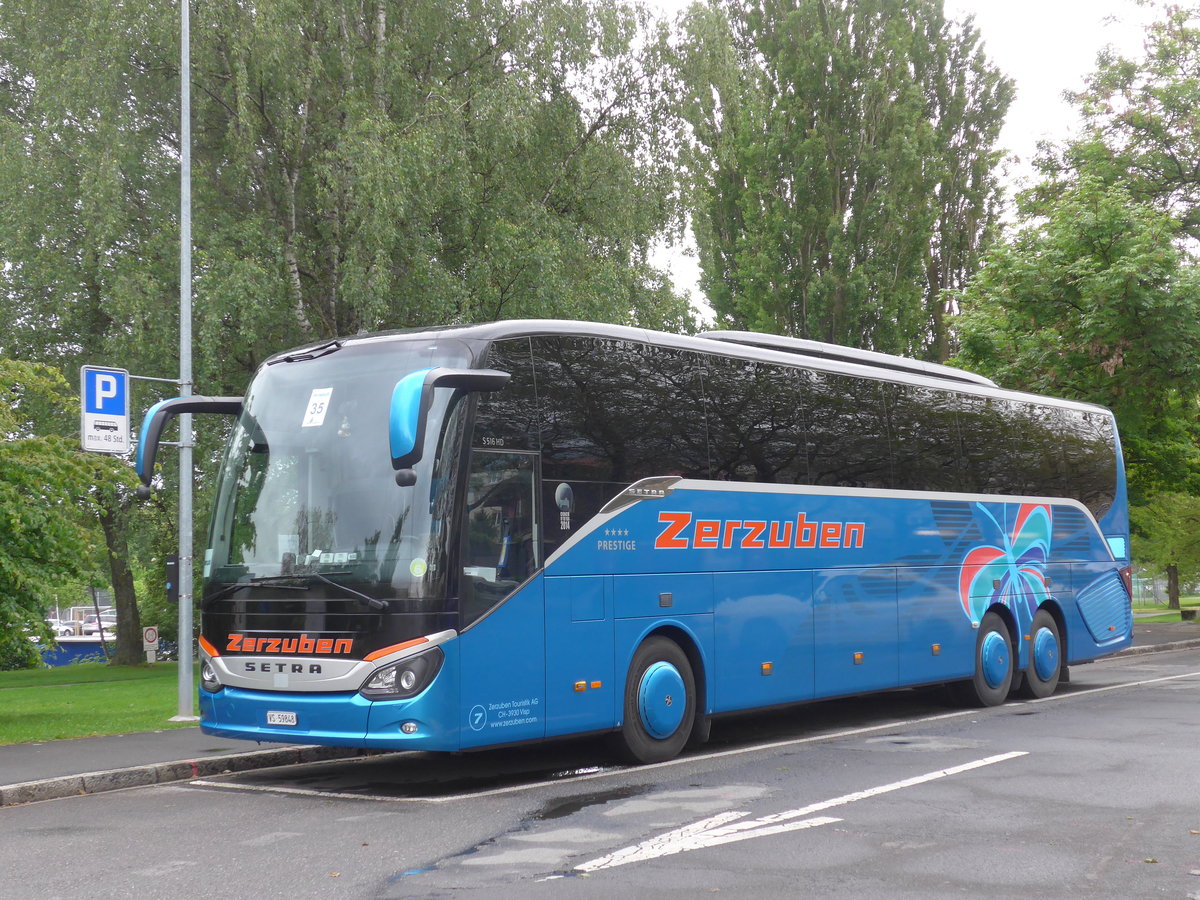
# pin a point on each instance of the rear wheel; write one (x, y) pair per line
(660, 702)
(1045, 657)
(994, 665)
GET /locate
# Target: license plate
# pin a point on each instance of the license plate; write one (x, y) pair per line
(275, 717)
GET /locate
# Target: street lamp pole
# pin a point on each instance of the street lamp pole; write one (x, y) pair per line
(186, 693)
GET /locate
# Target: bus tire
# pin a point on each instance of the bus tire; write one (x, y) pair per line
(1045, 666)
(994, 665)
(660, 702)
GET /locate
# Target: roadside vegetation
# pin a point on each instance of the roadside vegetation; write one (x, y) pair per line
(86, 700)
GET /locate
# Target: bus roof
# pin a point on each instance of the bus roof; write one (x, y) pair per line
(737, 344)
(819, 350)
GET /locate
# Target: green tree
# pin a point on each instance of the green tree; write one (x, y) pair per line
(88, 188)
(1141, 128)
(1091, 299)
(356, 166)
(48, 540)
(1097, 294)
(842, 165)
(382, 165)
(1167, 539)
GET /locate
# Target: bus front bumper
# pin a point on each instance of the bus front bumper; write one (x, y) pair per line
(333, 719)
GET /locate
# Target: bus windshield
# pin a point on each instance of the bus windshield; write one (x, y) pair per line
(307, 495)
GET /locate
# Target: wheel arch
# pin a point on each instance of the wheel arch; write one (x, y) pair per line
(1010, 622)
(690, 645)
(1055, 610)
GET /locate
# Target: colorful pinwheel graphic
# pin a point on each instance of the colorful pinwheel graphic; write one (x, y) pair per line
(1011, 571)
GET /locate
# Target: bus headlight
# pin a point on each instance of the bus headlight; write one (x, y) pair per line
(404, 679)
(208, 677)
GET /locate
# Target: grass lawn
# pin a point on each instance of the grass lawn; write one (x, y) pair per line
(85, 700)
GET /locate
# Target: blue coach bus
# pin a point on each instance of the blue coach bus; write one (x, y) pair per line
(453, 538)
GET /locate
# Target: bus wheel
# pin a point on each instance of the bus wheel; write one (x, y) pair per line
(993, 665)
(660, 702)
(1045, 657)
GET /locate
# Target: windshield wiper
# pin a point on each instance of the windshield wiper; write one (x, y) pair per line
(288, 583)
(283, 582)
(365, 599)
(314, 353)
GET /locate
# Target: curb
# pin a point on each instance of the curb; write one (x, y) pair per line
(1189, 644)
(183, 770)
(164, 773)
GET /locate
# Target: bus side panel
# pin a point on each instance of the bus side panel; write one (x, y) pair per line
(937, 642)
(763, 618)
(580, 672)
(503, 672)
(855, 630)
(1101, 619)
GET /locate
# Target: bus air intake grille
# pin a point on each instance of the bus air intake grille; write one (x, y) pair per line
(1104, 605)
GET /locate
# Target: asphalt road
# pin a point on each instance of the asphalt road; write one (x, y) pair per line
(1092, 793)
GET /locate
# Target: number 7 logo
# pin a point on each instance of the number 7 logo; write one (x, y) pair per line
(477, 718)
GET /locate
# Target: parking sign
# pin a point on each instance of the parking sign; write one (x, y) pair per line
(105, 418)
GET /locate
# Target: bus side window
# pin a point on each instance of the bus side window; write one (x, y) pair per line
(923, 426)
(499, 547)
(848, 443)
(755, 414)
(1090, 460)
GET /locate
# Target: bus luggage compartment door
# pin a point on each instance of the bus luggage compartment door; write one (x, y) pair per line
(856, 630)
(580, 677)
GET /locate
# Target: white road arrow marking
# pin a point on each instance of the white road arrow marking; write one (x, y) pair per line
(724, 828)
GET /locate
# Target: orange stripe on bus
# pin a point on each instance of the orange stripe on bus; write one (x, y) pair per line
(207, 647)
(395, 648)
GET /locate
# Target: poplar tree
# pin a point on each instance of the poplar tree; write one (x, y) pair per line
(842, 165)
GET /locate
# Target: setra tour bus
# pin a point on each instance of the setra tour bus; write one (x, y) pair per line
(461, 537)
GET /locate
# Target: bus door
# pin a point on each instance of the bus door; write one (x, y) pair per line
(502, 644)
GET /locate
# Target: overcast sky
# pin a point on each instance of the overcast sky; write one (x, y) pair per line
(1046, 46)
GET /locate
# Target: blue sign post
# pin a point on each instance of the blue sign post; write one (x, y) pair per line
(104, 424)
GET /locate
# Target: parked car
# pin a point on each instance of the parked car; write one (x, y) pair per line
(92, 624)
(61, 629)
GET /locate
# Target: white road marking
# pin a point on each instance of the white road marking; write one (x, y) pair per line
(699, 757)
(280, 789)
(724, 829)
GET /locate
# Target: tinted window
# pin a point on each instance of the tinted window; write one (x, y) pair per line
(986, 451)
(1090, 458)
(508, 419)
(612, 412)
(923, 424)
(848, 443)
(755, 418)
(500, 549)
(616, 411)
(1035, 433)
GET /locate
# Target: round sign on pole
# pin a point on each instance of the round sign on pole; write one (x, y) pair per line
(150, 637)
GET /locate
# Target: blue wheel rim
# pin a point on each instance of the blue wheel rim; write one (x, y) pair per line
(662, 700)
(994, 659)
(1045, 654)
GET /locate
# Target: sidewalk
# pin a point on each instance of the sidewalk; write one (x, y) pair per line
(55, 769)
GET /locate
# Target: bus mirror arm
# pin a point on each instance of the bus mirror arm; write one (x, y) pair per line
(156, 420)
(412, 398)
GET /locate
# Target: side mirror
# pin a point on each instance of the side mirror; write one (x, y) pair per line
(412, 399)
(156, 420)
